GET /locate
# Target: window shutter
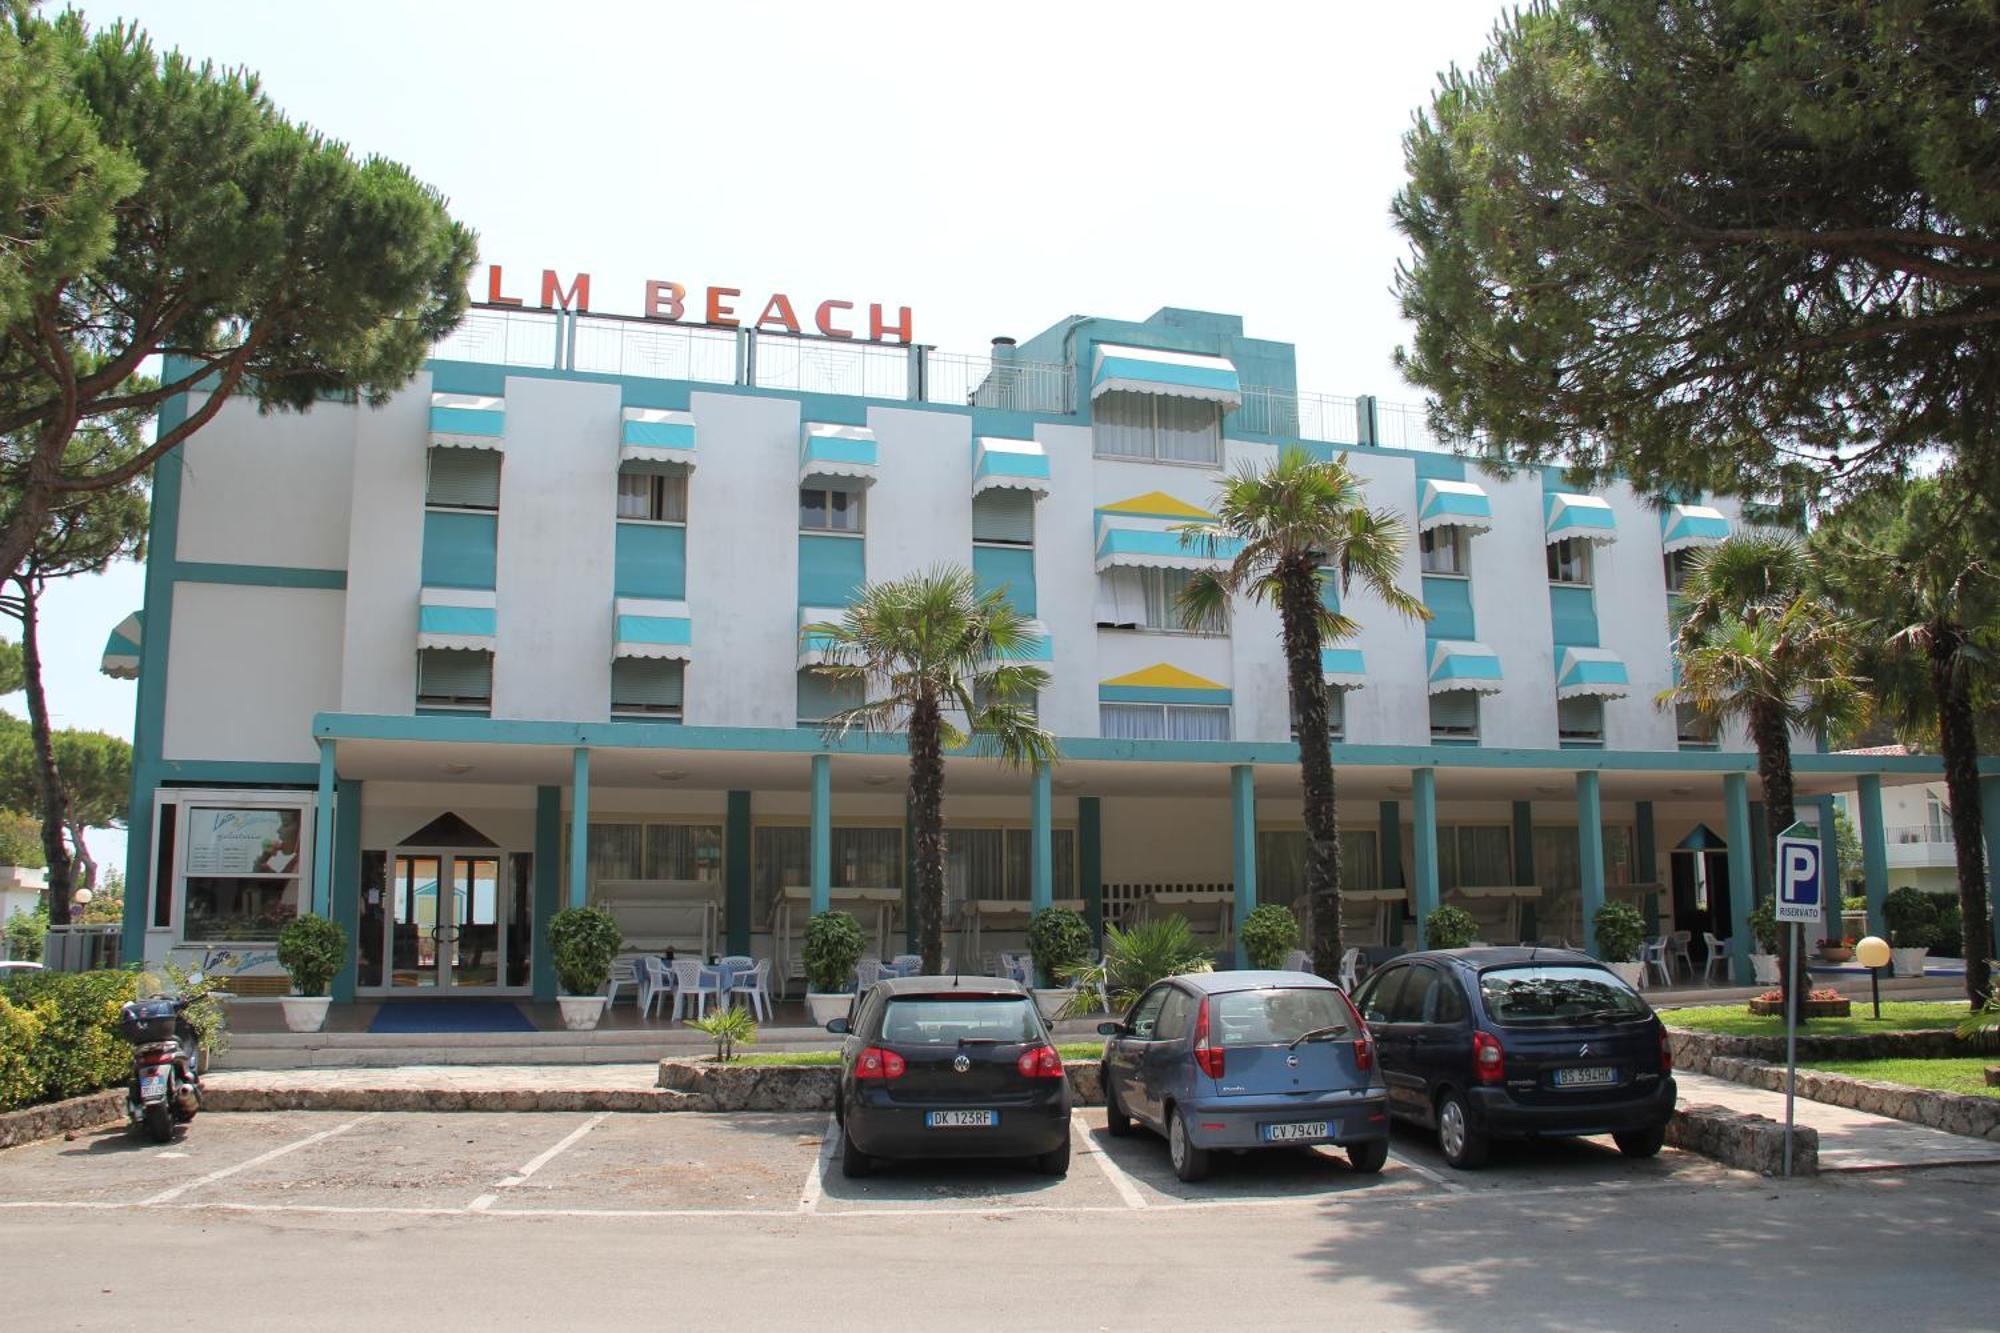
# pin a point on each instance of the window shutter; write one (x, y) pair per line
(821, 697)
(449, 673)
(1455, 710)
(1004, 515)
(644, 682)
(467, 477)
(1579, 718)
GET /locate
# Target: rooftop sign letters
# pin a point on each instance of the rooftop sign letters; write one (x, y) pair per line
(718, 307)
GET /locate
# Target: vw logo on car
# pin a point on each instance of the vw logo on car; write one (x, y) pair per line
(961, 1063)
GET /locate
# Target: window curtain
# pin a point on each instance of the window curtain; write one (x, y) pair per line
(868, 858)
(1189, 430)
(1556, 861)
(617, 851)
(1131, 722)
(1281, 866)
(1192, 723)
(1121, 597)
(1121, 425)
(1485, 856)
(779, 855)
(683, 851)
(974, 864)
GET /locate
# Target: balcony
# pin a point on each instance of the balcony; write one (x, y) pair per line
(1920, 846)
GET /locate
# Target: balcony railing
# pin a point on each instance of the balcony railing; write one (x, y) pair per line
(1906, 835)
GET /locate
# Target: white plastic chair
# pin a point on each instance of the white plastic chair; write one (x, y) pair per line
(1350, 964)
(658, 980)
(624, 972)
(1677, 951)
(755, 988)
(1653, 958)
(866, 973)
(1718, 956)
(697, 980)
(909, 964)
(1298, 960)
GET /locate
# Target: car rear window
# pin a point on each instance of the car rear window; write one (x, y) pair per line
(1275, 1016)
(945, 1020)
(1546, 996)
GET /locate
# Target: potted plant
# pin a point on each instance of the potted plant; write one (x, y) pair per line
(1268, 934)
(583, 941)
(833, 946)
(1450, 928)
(1836, 951)
(1764, 928)
(1059, 942)
(311, 949)
(1911, 917)
(1620, 930)
(1134, 959)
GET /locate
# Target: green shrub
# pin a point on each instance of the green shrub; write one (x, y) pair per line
(833, 945)
(1947, 926)
(67, 1023)
(312, 949)
(1450, 928)
(1059, 940)
(21, 841)
(1854, 902)
(729, 1027)
(1911, 916)
(1764, 927)
(1134, 959)
(1620, 931)
(583, 941)
(1269, 933)
(25, 933)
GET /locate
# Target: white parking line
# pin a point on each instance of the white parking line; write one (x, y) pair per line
(1127, 1188)
(809, 1193)
(520, 1177)
(168, 1195)
(1442, 1182)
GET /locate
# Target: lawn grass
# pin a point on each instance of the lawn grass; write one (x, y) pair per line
(1960, 1073)
(1069, 1050)
(1736, 1020)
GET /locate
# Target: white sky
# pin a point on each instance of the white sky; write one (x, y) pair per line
(993, 168)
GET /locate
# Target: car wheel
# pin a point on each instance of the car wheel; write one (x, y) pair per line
(1641, 1142)
(1055, 1162)
(1190, 1162)
(1116, 1122)
(854, 1163)
(1368, 1158)
(1464, 1146)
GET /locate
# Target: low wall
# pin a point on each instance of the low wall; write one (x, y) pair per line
(697, 1085)
(1743, 1140)
(90, 1111)
(1955, 1113)
(1691, 1048)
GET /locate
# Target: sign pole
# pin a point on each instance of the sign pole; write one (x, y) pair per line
(1791, 1042)
(1799, 892)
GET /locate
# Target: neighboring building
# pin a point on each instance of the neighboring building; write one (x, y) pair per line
(1918, 845)
(530, 633)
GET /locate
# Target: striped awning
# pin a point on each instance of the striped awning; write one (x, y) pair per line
(1460, 664)
(468, 421)
(1585, 517)
(1460, 504)
(827, 450)
(1683, 526)
(456, 618)
(999, 462)
(656, 435)
(1211, 379)
(1140, 533)
(1343, 668)
(1162, 683)
(121, 650)
(1582, 672)
(647, 628)
(813, 648)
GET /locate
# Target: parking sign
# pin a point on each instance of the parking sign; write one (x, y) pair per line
(1799, 887)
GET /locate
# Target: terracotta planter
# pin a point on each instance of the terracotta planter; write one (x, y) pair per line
(304, 1013)
(1808, 1009)
(580, 1012)
(1839, 955)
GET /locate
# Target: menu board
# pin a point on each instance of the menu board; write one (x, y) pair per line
(223, 841)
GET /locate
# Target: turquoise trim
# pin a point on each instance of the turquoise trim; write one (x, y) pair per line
(547, 890)
(1423, 843)
(1449, 598)
(650, 560)
(839, 449)
(458, 620)
(658, 434)
(461, 550)
(1678, 526)
(469, 421)
(1736, 803)
(1590, 855)
(1342, 662)
(1829, 853)
(1573, 616)
(579, 826)
(1243, 849)
(1025, 466)
(1114, 365)
(1440, 505)
(1090, 861)
(832, 570)
(1430, 464)
(1034, 648)
(1140, 543)
(1008, 569)
(260, 576)
(821, 838)
(1562, 520)
(346, 902)
(1874, 850)
(664, 630)
(1160, 694)
(1582, 672)
(1041, 852)
(1465, 668)
(322, 866)
(736, 869)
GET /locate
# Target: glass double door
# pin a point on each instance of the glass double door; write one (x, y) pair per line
(446, 929)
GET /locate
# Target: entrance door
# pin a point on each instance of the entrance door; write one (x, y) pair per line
(447, 930)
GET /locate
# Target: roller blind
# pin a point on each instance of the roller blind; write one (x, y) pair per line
(448, 675)
(465, 478)
(646, 683)
(1003, 516)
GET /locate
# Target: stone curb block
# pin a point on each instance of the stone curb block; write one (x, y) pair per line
(1743, 1140)
(439, 1099)
(700, 1086)
(93, 1110)
(1927, 1044)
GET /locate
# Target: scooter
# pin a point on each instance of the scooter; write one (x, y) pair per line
(166, 1065)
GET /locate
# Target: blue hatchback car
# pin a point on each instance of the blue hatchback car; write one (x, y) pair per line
(1233, 1061)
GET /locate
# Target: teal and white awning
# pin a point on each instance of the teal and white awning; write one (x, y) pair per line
(1455, 504)
(656, 435)
(1211, 379)
(1142, 533)
(463, 619)
(826, 450)
(468, 421)
(1002, 463)
(1582, 672)
(1684, 526)
(121, 650)
(1343, 668)
(813, 648)
(647, 628)
(1581, 517)
(1460, 664)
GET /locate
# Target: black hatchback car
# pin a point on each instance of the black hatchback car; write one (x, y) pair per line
(950, 1067)
(1518, 1043)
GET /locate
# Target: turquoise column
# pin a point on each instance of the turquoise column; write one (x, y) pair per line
(1041, 840)
(1742, 882)
(1989, 813)
(1762, 849)
(322, 882)
(548, 889)
(579, 827)
(1524, 865)
(822, 832)
(1647, 841)
(910, 944)
(1874, 850)
(1829, 860)
(345, 903)
(1243, 843)
(1424, 841)
(736, 869)
(1090, 861)
(1389, 842)
(1589, 853)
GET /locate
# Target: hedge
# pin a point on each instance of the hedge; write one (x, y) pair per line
(59, 1035)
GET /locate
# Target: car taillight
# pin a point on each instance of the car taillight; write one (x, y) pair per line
(1666, 1054)
(1487, 1060)
(1040, 1062)
(1364, 1045)
(878, 1063)
(1209, 1057)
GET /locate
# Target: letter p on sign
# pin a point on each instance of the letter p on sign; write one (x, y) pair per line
(1799, 889)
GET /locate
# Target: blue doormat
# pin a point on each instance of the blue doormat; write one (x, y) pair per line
(450, 1016)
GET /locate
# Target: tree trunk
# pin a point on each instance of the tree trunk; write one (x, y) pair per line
(86, 868)
(55, 805)
(1773, 739)
(1958, 743)
(927, 824)
(1298, 607)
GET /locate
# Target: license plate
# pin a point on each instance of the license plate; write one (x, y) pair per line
(962, 1119)
(151, 1086)
(1292, 1133)
(1590, 1076)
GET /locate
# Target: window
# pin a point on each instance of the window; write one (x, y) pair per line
(1336, 715)
(1378, 995)
(656, 851)
(1154, 426)
(646, 687)
(1281, 866)
(1554, 996)
(821, 696)
(1569, 561)
(1176, 1016)
(1149, 599)
(781, 856)
(1679, 565)
(454, 678)
(1169, 722)
(998, 863)
(243, 865)
(1691, 728)
(829, 509)
(1004, 516)
(652, 496)
(1414, 998)
(1580, 721)
(1444, 551)
(1455, 716)
(934, 1020)
(463, 479)
(1146, 1013)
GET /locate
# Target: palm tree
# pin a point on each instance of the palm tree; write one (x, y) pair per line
(1302, 522)
(923, 649)
(1758, 642)
(1920, 566)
